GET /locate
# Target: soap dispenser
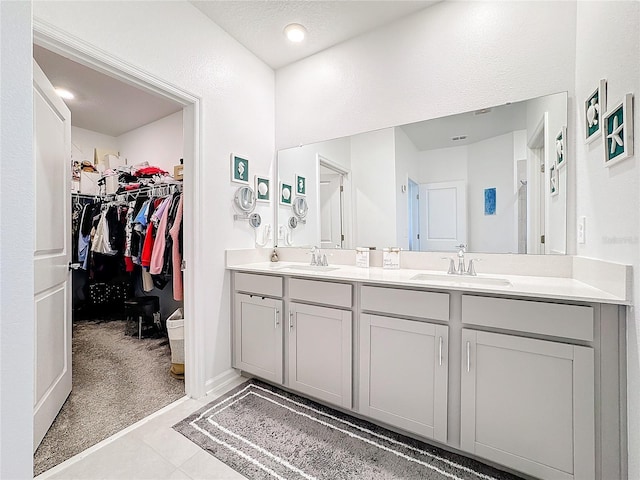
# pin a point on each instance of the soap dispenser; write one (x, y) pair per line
(274, 256)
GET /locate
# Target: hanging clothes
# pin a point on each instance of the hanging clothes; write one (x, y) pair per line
(157, 254)
(147, 249)
(176, 253)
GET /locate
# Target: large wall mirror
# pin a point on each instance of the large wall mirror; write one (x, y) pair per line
(494, 179)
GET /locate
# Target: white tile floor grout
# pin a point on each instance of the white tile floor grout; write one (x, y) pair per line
(149, 449)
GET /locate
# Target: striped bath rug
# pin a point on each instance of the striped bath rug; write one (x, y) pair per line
(263, 432)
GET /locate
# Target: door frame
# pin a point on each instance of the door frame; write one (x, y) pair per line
(346, 197)
(413, 188)
(79, 51)
(537, 205)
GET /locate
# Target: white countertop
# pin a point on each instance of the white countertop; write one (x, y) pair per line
(519, 285)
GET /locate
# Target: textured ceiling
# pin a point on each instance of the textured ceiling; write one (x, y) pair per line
(259, 25)
(102, 103)
(109, 106)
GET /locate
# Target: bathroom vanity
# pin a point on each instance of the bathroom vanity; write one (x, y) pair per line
(525, 372)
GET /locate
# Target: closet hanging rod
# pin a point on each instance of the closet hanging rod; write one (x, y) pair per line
(152, 190)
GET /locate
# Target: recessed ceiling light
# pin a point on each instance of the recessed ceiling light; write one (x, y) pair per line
(66, 94)
(295, 32)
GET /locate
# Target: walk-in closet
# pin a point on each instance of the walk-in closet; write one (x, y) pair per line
(126, 245)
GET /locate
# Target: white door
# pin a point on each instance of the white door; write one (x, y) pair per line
(443, 216)
(330, 210)
(52, 145)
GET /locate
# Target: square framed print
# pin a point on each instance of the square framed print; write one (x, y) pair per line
(263, 189)
(594, 106)
(239, 169)
(561, 148)
(301, 185)
(286, 194)
(617, 125)
(553, 180)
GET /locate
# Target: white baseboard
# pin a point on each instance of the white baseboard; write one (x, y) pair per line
(221, 380)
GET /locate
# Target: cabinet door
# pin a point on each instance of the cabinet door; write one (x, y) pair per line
(403, 374)
(528, 404)
(257, 325)
(320, 353)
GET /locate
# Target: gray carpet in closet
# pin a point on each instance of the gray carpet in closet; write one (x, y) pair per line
(117, 380)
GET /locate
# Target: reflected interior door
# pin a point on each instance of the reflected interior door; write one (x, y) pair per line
(52, 145)
(330, 210)
(443, 216)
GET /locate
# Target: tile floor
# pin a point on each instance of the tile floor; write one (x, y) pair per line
(150, 449)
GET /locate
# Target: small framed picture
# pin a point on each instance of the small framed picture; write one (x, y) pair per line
(561, 148)
(239, 169)
(617, 125)
(301, 185)
(263, 189)
(490, 201)
(594, 106)
(286, 194)
(553, 180)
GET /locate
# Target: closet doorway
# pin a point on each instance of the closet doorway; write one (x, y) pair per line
(102, 327)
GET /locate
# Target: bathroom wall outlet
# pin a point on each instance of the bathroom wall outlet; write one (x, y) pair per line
(582, 223)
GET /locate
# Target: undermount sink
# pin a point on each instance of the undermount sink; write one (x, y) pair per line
(463, 279)
(306, 268)
(311, 268)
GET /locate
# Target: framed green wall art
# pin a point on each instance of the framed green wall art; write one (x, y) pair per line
(594, 106)
(263, 189)
(239, 169)
(617, 126)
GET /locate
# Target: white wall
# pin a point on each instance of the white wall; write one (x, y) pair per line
(161, 143)
(300, 161)
(443, 164)
(17, 233)
(177, 43)
(608, 46)
(83, 143)
(557, 207)
(450, 58)
(303, 161)
(490, 165)
(372, 164)
(406, 161)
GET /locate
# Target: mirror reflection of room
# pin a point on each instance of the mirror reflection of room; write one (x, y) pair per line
(479, 178)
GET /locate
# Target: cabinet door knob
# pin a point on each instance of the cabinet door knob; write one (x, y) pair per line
(277, 318)
(468, 356)
(290, 320)
(440, 350)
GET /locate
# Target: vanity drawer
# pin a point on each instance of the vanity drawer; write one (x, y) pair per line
(567, 321)
(413, 303)
(327, 293)
(266, 285)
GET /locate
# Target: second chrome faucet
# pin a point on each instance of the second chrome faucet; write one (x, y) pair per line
(461, 268)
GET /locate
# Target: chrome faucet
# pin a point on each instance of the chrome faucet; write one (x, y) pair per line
(462, 248)
(461, 269)
(315, 255)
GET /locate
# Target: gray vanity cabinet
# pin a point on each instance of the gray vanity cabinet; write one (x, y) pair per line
(403, 374)
(319, 349)
(258, 336)
(257, 325)
(528, 404)
(404, 359)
